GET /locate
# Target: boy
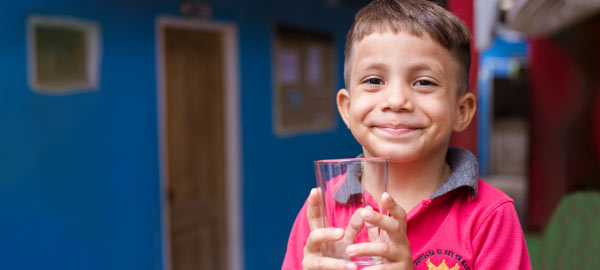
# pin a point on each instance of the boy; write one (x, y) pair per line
(406, 72)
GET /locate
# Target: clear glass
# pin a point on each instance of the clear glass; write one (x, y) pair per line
(347, 185)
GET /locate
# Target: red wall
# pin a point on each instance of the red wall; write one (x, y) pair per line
(564, 117)
(550, 74)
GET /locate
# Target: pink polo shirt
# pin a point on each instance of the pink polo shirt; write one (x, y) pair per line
(466, 224)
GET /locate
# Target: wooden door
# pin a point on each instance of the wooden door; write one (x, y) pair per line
(195, 149)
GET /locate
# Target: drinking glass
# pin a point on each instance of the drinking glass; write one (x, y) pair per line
(347, 185)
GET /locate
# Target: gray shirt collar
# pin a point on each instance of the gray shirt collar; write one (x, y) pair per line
(465, 173)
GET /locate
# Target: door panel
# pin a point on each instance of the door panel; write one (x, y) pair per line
(195, 148)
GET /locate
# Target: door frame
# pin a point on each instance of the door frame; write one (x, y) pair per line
(232, 130)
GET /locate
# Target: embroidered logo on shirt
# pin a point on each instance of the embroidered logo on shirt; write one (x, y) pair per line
(447, 257)
(442, 266)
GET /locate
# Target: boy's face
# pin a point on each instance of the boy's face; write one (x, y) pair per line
(403, 99)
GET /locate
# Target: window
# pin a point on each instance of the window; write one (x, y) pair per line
(63, 55)
(304, 81)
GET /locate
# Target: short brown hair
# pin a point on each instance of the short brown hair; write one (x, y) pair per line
(416, 17)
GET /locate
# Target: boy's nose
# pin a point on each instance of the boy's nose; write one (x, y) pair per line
(397, 99)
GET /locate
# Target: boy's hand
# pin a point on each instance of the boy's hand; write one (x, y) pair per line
(395, 247)
(330, 237)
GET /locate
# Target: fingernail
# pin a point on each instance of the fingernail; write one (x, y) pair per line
(350, 266)
(338, 232)
(350, 250)
(367, 213)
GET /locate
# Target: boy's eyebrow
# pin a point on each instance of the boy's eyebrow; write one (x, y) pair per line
(427, 66)
(419, 65)
(373, 64)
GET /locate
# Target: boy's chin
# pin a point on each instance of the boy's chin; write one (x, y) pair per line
(402, 158)
(396, 155)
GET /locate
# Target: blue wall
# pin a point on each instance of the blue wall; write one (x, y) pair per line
(79, 182)
(79, 173)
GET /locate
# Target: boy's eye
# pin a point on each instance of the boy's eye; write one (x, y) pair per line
(374, 81)
(424, 82)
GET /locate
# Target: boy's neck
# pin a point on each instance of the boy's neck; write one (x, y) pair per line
(412, 182)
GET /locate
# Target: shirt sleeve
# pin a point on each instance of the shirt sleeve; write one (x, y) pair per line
(296, 242)
(499, 242)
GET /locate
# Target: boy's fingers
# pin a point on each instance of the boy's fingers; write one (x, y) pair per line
(395, 226)
(370, 249)
(385, 223)
(314, 212)
(373, 232)
(320, 236)
(386, 250)
(390, 266)
(354, 226)
(391, 206)
(325, 263)
(398, 232)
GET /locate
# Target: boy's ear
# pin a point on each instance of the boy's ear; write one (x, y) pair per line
(343, 105)
(465, 111)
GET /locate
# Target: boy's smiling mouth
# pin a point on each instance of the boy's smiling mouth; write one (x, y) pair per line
(396, 129)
